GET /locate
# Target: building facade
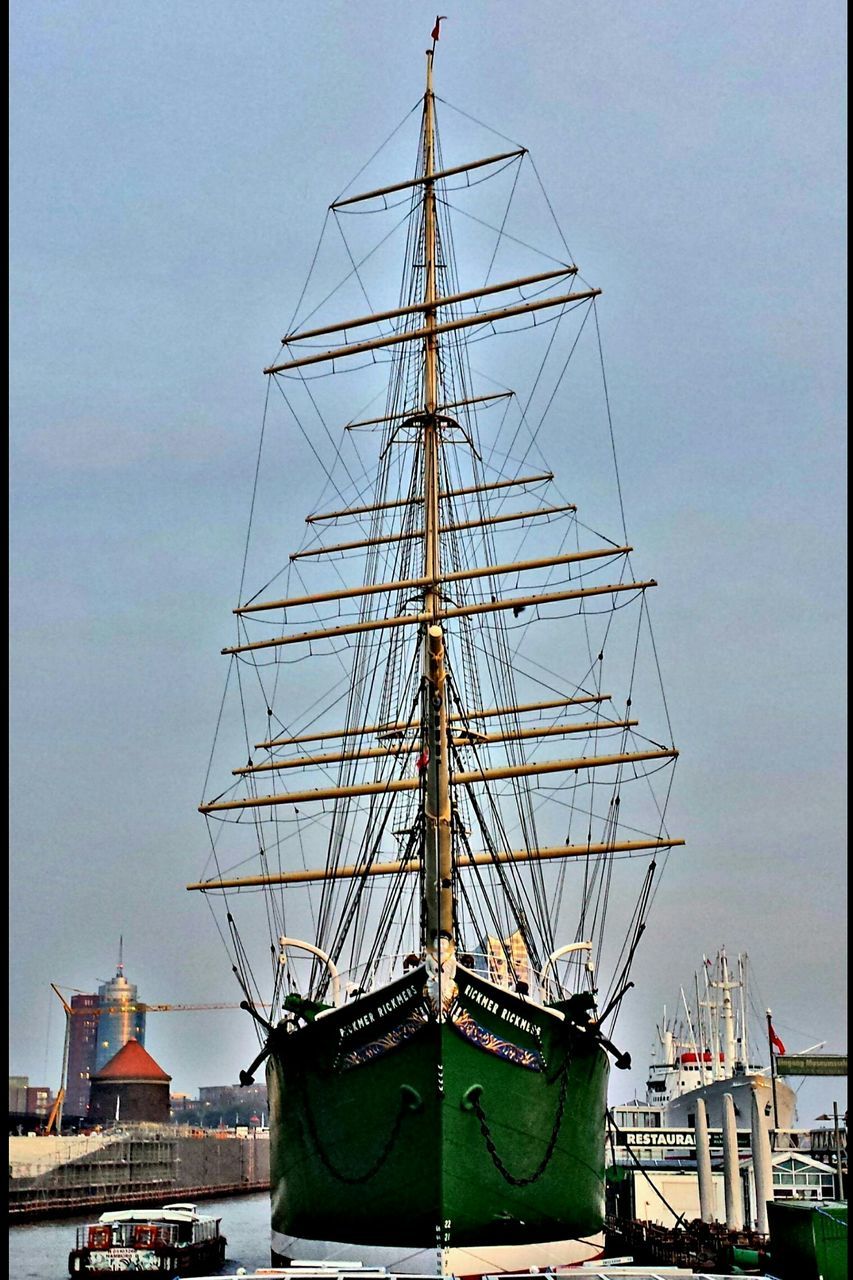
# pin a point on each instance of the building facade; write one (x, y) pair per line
(119, 1021)
(130, 1088)
(227, 1096)
(82, 1049)
(18, 1086)
(39, 1101)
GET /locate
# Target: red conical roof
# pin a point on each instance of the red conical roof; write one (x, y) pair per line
(132, 1063)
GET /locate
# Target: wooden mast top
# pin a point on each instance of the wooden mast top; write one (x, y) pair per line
(432, 567)
(438, 859)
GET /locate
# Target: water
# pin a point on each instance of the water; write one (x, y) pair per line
(40, 1251)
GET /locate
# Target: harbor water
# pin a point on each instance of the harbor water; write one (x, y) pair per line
(39, 1251)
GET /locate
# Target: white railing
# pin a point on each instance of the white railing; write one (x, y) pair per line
(361, 979)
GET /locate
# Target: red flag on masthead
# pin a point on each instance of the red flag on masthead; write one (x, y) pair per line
(435, 30)
(422, 760)
(775, 1041)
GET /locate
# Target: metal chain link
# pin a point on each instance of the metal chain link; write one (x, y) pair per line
(405, 1105)
(549, 1151)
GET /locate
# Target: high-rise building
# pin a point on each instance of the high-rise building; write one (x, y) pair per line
(119, 1021)
(82, 1048)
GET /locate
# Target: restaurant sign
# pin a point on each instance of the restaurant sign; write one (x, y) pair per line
(672, 1138)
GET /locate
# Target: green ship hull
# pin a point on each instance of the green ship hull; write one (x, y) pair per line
(391, 1126)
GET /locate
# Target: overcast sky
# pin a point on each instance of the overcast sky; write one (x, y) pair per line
(170, 169)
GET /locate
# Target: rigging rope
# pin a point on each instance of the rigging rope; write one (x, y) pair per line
(382, 678)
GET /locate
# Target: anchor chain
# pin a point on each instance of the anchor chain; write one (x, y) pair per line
(409, 1101)
(472, 1099)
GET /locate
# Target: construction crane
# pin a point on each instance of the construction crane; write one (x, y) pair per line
(55, 1110)
(97, 1011)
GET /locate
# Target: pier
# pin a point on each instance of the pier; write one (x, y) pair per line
(54, 1177)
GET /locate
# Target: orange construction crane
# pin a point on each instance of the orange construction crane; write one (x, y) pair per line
(55, 1111)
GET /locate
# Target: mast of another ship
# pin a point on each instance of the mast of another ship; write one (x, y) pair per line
(438, 862)
(728, 1022)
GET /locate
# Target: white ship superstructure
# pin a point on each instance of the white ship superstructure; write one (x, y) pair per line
(705, 1053)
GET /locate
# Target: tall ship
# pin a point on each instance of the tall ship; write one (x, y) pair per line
(441, 818)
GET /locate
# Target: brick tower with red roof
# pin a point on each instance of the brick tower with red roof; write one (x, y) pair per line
(131, 1087)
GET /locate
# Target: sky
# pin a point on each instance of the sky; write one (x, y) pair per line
(170, 170)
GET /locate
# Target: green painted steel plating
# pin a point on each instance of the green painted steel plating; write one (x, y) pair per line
(438, 1136)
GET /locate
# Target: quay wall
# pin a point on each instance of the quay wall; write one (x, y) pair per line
(52, 1177)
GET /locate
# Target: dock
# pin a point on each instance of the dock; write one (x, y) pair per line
(56, 1177)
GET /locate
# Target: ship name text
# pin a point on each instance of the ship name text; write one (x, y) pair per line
(367, 1019)
(514, 1019)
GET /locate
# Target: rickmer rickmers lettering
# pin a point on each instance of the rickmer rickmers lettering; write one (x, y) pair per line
(437, 760)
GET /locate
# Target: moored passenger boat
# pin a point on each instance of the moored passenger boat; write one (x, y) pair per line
(174, 1240)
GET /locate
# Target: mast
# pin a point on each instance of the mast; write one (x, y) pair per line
(690, 1027)
(667, 1044)
(430, 765)
(714, 1023)
(704, 1038)
(438, 870)
(744, 1005)
(728, 1022)
(739, 1014)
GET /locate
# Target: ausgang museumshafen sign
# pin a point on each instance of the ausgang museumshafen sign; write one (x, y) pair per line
(811, 1064)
